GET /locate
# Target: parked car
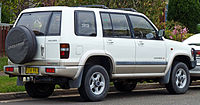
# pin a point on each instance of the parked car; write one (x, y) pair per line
(86, 48)
(194, 42)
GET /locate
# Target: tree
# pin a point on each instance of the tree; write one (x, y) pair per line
(185, 11)
(12, 8)
(152, 8)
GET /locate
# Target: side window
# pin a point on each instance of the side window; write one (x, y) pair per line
(107, 26)
(142, 28)
(85, 24)
(120, 26)
(55, 24)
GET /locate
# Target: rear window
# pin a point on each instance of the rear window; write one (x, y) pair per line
(115, 25)
(85, 24)
(40, 22)
(55, 24)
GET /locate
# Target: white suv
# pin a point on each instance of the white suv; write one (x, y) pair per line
(86, 48)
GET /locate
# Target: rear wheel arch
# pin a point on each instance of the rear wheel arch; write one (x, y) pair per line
(102, 60)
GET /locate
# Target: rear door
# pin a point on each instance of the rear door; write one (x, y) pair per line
(118, 41)
(47, 27)
(37, 22)
(52, 44)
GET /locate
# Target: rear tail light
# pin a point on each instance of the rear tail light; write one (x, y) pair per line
(9, 69)
(198, 53)
(50, 70)
(64, 51)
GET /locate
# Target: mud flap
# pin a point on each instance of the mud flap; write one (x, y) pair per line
(77, 82)
(166, 78)
(20, 81)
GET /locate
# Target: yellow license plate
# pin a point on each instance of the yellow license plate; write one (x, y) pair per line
(32, 70)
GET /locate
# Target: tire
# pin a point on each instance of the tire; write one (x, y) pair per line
(39, 90)
(179, 80)
(125, 86)
(95, 84)
(20, 45)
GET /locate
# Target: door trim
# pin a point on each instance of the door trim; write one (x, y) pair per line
(141, 63)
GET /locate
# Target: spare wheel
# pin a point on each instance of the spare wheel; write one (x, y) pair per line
(20, 45)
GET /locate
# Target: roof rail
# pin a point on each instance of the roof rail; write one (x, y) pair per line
(127, 9)
(99, 6)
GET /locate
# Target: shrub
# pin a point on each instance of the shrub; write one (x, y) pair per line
(3, 62)
(198, 28)
(176, 31)
(185, 11)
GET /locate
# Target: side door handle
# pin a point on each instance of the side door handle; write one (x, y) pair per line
(110, 41)
(141, 43)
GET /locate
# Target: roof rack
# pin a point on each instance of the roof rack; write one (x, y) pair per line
(99, 6)
(127, 9)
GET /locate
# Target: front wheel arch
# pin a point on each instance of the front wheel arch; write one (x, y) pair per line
(178, 58)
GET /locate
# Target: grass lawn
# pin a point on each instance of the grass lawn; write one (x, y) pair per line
(3, 61)
(9, 85)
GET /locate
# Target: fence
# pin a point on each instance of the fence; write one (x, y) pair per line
(3, 32)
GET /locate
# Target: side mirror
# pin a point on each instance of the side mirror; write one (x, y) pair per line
(161, 33)
(149, 36)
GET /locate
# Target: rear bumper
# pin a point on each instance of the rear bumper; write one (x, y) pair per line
(61, 71)
(193, 63)
(198, 61)
(195, 72)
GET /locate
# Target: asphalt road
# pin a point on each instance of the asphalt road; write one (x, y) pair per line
(138, 97)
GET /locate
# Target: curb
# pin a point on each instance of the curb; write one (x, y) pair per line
(12, 95)
(18, 95)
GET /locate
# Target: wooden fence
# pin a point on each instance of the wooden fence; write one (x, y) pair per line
(3, 32)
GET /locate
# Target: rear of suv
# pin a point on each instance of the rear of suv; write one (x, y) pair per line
(86, 48)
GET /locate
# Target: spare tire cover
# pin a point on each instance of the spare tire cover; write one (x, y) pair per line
(20, 45)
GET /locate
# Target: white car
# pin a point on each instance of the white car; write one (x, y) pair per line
(86, 48)
(194, 42)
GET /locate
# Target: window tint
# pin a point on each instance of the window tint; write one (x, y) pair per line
(55, 24)
(85, 23)
(120, 26)
(37, 22)
(107, 26)
(142, 28)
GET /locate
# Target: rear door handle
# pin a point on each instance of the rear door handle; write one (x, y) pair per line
(42, 50)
